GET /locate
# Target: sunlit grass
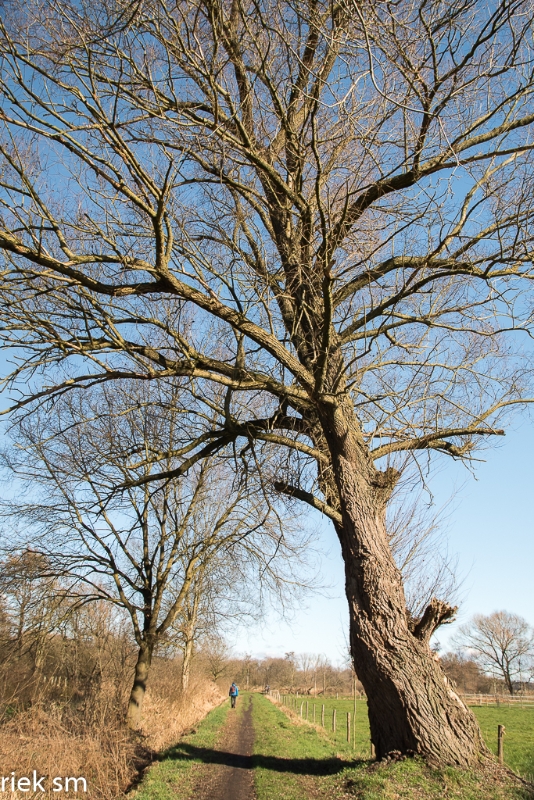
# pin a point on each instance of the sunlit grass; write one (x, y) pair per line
(519, 735)
(406, 779)
(173, 776)
(296, 761)
(359, 746)
(518, 742)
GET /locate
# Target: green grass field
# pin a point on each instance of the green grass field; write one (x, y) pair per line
(518, 742)
(519, 736)
(290, 760)
(303, 762)
(359, 746)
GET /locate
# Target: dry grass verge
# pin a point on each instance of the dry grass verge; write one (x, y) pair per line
(43, 740)
(90, 741)
(168, 715)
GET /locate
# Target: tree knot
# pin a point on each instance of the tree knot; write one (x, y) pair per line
(435, 614)
(384, 482)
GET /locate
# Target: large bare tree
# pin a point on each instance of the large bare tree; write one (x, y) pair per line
(501, 643)
(320, 213)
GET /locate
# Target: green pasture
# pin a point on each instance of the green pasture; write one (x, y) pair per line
(519, 735)
(296, 761)
(518, 741)
(359, 746)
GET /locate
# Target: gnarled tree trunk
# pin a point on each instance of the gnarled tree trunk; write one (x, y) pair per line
(412, 708)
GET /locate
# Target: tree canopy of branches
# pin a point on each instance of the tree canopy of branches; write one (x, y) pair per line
(501, 643)
(150, 553)
(321, 214)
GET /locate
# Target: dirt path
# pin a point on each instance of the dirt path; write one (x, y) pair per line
(227, 774)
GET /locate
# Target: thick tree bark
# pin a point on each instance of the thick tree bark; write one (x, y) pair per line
(412, 708)
(137, 695)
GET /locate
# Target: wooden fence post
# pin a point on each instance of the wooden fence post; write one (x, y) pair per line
(322, 715)
(500, 742)
(301, 709)
(354, 716)
(307, 709)
(373, 751)
(348, 727)
(334, 720)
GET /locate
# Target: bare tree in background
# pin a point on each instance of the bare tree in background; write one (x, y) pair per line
(217, 654)
(322, 210)
(219, 599)
(144, 550)
(465, 674)
(187, 628)
(501, 643)
(306, 664)
(292, 665)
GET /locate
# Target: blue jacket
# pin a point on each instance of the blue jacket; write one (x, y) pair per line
(234, 690)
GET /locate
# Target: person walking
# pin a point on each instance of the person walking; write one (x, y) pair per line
(234, 691)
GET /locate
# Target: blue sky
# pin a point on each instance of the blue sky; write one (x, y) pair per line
(491, 528)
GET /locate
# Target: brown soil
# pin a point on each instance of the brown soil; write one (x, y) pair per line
(229, 776)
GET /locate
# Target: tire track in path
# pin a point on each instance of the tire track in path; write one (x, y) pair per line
(227, 771)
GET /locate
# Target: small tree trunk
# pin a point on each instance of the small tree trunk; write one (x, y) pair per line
(137, 695)
(39, 655)
(412, 708)
(186, 663)
(508, 682)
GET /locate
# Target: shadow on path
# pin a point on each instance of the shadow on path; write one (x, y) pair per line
(298, 766)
